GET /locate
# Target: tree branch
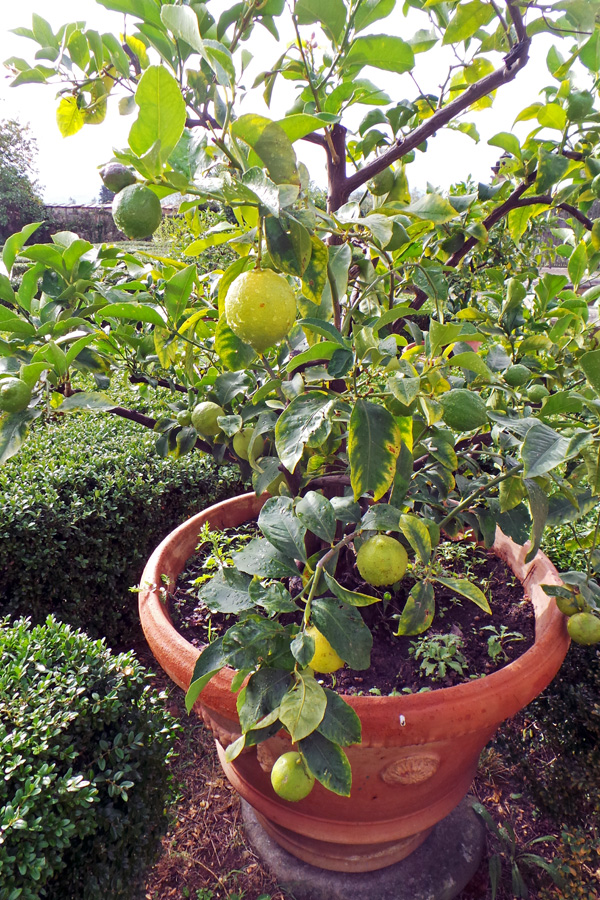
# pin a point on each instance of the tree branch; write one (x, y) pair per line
(315, 138)
(513, 63)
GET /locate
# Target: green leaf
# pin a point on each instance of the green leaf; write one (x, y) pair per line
(577, 264)
(299, 125)
(289, 244)
(441, 335)
(136, 312)
(226, 592)
(345, 630)
(302, 708)
(162, 112)
(589, 54)
(354, 598)
(433, 208)
(15, 243)
(511, 492)
(466, 589)
(328, 763)
(147, 10)
(373, 446)
(381, 51)
(543, 449)
(404, 389)
(332, 15)
(590, 366)
(467, 20)
(210, 661)
(551, 169)
(314, 276)
(178, 290)
(417, 534)
(14, 428)
(262, 694)
(370, 11)
(538, 504)
(282, 528)
(69, 117)
(381, 517)
(270, 142)
(87, 400)
(472, 362)
(231, 350)
(418, 611)
(340, 723)
(317, 514)
(298, 423)
(261, 558)
(552, 115)
(273, 598)
(506, 141)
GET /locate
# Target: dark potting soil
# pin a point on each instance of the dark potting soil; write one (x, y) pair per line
(475, 634)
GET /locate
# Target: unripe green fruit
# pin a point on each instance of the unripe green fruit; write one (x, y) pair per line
(463, 410)
(537, 392)
(241, 442)
(137, 211)
(204, 418)
(116, 177)
(517, 375)
(381, 183)
(570, 606)
(15, 395)
(325, 659)
(381, 560)
(184, 417)
(290, 778)
(273, 487)
(584, 628)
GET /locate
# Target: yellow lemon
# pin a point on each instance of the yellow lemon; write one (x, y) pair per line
(381, 560)
(325, 660)
(260, 307)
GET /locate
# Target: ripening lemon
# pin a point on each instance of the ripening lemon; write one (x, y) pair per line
(260, 308)
(584, 628)
(381, 560)
(517, 375)
(241, 442)
(137, 211)
(116, 177)
(15, 395)
(463, 410)
(204, 418)
(324, 660)
(290, 778)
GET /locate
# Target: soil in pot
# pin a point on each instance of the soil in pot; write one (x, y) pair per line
(463, 643)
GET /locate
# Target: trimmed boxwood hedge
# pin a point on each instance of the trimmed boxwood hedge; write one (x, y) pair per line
(83, 745)
(81, 507)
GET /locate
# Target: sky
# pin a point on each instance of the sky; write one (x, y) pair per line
(68, 167)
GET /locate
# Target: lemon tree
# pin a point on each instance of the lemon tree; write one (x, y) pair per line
(260, 307)
(137, 211)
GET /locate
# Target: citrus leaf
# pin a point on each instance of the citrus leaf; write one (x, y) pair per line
(354, 598)
(87, 400)
(381, 51)
(234, 353)
(472, 362)
(262, 694)
(210, 661)
(551, 169)
(328, 763)
(332, 15)
(345, 630)
(302, 708)
(69, 117)
(14, 428)
(467, 20)
(373, 446)
(290, 247)
(282, 528)
(466, 589)
(270, 142)
(577, 264)
(340, 723)
(418, 611)
(543, 449)
(162, 112)
(417, 534)
(538, 504)
(318, 515)
(261, 558)
(295, 426)
(226, 592)
(314, 277)
(137, 312)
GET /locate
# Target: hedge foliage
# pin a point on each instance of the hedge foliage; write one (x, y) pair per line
(83, 743)
(81, 507)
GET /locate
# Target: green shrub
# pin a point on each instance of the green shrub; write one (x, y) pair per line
(81, 508)
(83, 743)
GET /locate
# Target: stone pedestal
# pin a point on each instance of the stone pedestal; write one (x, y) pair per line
(438, 870)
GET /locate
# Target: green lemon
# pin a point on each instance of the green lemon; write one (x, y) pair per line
(325, 659)
(584, 628)
(381, 183)
(463, 410)
(273, 487)
(570, 606)
(241, 442)
(14, 395)
(204, 418)
(537, 392)
(184, 417)
(381, 560)
(517, 375)
(290, 778)
(260, 307)
(137, 211)
(116, 177)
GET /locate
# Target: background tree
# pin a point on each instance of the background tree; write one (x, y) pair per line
(20, 201)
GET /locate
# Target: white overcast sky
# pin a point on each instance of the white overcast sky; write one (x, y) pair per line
(68, 166)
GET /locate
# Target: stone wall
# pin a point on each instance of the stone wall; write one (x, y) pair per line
(93, 222)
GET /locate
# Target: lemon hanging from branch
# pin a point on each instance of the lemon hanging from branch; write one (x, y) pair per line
(260, 308)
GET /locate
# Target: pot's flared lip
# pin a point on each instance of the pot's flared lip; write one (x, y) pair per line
(491, 698)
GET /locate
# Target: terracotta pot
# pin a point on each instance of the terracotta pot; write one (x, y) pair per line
(418, 753)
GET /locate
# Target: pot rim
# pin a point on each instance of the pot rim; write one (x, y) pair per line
(516, 683)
